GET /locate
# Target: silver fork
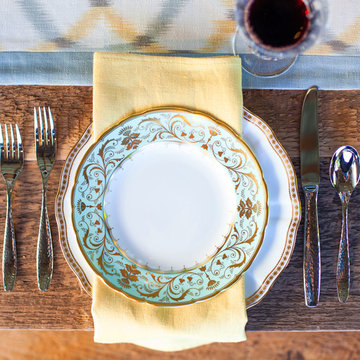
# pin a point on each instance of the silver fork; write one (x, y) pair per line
(45, 147)
(12, 161)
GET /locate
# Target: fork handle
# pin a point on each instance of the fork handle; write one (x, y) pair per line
(44, 258)
(9, 251)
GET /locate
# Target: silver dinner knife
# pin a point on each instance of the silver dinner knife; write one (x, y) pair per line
(310, 180)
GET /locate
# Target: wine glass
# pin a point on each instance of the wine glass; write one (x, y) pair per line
(276, 32)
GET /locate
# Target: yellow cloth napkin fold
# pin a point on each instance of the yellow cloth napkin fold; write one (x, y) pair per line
(125, 84)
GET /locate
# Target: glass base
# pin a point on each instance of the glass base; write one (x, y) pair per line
(260, 67)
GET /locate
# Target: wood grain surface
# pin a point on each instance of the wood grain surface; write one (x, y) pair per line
(74, 345)
(67, 306)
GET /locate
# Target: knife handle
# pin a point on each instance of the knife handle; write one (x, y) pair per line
(311, 265)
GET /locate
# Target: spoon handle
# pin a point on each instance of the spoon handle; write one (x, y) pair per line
(343, 263)
(311, 265)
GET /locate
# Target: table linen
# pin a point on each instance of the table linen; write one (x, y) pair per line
(125, 84)
(66, 34)
(204, 26)
(72, 68)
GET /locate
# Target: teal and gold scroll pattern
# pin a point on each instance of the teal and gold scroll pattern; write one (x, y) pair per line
(241, 243)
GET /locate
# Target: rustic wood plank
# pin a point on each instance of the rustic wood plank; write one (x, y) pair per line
(338, 117)
(338, 111)
(66, 305)
(74, 345)
(283, 308)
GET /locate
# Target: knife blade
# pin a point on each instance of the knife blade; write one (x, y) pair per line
(310, 181)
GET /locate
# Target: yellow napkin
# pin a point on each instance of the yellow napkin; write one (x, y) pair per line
(125, 84)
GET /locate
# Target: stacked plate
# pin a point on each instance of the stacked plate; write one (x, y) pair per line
(172, 207)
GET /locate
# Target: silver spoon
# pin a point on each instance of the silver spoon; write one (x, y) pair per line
(344, 176)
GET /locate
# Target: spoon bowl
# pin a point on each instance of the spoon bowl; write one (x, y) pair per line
(344, 176)
(345, 169)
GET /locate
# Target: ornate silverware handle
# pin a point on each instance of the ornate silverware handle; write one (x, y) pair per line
(44, 247)
(343, 264)
(9, 252)
(311, 265)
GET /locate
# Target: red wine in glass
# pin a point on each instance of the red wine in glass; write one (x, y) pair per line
(277, 24)
(276, 32)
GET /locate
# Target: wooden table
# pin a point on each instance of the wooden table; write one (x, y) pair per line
(67, 306)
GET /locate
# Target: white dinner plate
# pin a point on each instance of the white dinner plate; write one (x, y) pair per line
(283, 210)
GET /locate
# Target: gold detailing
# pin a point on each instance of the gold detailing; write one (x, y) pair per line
(169, 284)
(251, 300)
(60, 214)
(260, 293)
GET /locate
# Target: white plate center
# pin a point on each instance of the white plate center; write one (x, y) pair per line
(170, 205)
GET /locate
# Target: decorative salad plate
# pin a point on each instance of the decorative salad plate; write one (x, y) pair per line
(169, 206)
(99, 245)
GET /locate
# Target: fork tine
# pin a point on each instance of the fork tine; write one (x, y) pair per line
(52, 128)
(12, 148)
(46, 132)
(36, 127)
(1, 140)
(7, 145)
(2, 150)
(19, 143)
(41, 139)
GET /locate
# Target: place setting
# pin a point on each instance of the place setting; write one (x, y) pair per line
(254, 132)
(178, 208)
(178, 200)
(169, 206)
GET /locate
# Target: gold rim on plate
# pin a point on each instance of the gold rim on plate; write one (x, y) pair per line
(259, 238)
(270, 278)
